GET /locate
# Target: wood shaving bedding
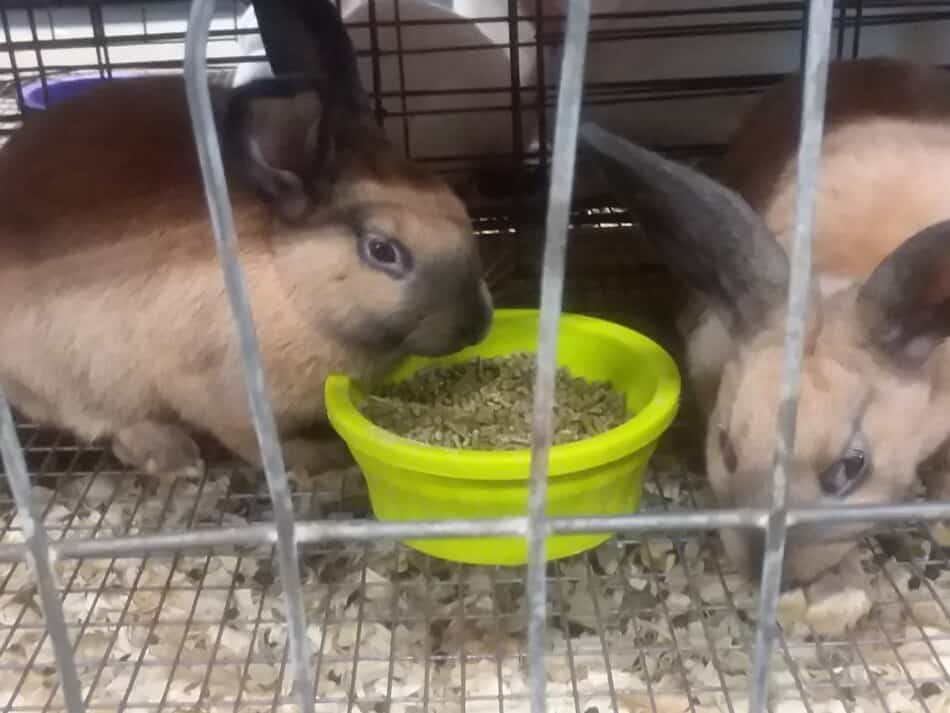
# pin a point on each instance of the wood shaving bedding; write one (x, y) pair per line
(397, 632)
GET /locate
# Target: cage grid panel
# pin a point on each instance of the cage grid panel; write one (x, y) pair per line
(592, 599)
(701, 71)
(850, 664)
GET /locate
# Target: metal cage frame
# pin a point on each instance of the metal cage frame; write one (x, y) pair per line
(774, 522)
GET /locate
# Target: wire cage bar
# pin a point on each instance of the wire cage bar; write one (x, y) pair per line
(552, 290)
(817, 47)
(38, 555)
(288, 532)
(265, 427)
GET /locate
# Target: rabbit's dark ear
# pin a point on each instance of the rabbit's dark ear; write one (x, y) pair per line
(287, 130)
(276, 129)
(703, 230)
(308, 38)
(904, 305)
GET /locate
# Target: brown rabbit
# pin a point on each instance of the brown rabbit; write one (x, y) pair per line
(115, 321)
(875, 391)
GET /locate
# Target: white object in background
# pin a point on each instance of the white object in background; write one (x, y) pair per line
(250, 46)
(614, 60)
(621, 53)
(481, 123)
(613, 63)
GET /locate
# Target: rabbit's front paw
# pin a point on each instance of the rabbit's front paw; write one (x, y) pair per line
(158, 449)
(316, 455)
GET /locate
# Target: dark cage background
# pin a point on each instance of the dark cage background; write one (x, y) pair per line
(647, 622)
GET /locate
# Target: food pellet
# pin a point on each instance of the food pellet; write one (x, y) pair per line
(486, 404)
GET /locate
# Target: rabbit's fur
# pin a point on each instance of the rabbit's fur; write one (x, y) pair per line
(875, 390)
(115, 321)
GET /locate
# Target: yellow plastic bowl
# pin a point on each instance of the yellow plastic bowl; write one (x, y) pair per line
(597, 476)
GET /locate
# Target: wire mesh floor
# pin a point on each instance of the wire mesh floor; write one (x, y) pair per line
(651, 624)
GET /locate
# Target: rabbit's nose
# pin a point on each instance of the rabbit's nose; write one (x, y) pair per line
(480, 321)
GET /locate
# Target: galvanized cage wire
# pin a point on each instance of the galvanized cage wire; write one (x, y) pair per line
(287, 533)
(660, 106)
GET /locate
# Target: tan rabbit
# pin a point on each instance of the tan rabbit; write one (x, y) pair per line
(115, 322)
(875, 392)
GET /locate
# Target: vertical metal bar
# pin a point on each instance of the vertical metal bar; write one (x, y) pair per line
(38, 51)
(375, 57)
(95, 34)
(14, 67)
(842, 28)
(102, 40)
(569, 99)
(401, 61)
(809, 151)
(38, 559)
(222, 223)
(541, 99)
(858, 23)
(514, 42)
(803, 46)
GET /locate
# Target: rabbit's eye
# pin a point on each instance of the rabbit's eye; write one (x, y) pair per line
(385, 254)
(843, 476)
(382, 251)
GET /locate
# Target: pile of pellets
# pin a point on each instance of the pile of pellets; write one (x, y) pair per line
(487, 404)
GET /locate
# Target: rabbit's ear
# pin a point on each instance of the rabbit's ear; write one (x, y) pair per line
(703, 230)
(308, 38)
(904, 305)
(276, 129)
(288, 130)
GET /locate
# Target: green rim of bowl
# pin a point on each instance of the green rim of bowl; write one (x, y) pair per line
(648, 425)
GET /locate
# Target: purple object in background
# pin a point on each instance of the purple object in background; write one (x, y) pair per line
(59, 89)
